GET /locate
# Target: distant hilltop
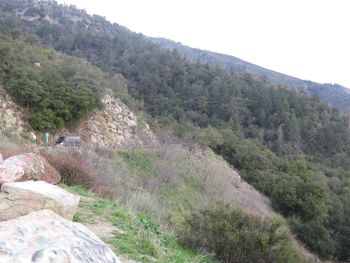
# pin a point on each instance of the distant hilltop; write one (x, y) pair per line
(333, 94)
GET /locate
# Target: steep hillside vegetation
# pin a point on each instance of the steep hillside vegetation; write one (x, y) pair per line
(333, 94)
(293, 148)
(172, 185)
(170, 188)
(136, 236)
(56, 91)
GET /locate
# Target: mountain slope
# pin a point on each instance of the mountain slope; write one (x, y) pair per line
(332, 94)
(75, 98)
(169, 183)
(291, 147)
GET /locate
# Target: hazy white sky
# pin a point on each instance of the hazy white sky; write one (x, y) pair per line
(308, 39)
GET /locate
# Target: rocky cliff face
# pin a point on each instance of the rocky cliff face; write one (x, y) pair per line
(115, 125)
(12, 117)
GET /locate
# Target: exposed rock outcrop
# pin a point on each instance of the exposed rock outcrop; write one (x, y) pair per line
(28, 166)
(12, 118)
(115, 125)
(18, 199)
(44, 236)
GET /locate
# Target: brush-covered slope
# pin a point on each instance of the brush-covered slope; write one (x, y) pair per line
(167, 189)
(134, 236)
(171, 185)
(333, 94)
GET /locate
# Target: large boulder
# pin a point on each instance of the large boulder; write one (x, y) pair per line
(21, 198)
(44, 236)
(27, 166)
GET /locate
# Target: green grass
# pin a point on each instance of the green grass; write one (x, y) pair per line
(138, 162)
(180, 192)
(136, 236)
(79, 190)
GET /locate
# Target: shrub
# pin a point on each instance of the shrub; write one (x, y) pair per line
(304, 199)
(59, 93)
(73, 170)
(237, 237)
(315, 235)
(144, 202)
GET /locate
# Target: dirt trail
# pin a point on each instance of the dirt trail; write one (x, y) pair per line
(99, 226)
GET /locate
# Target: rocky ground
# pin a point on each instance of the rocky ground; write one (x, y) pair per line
(115, 125)
(12, 117)
(35, 217)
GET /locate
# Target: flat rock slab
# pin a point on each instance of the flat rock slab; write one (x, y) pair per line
(21, 198)
(27, 166)
(44, 236)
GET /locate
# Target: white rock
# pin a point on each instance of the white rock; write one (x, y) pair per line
(44, 236)
(21, 198)
(1, 158)
(12, 117)
(114, 118)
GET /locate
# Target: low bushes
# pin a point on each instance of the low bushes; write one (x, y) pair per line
(237, 237)
(73, 170)
(85, 168)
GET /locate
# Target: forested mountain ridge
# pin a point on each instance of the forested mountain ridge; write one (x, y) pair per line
(291, 147)
(332, 94)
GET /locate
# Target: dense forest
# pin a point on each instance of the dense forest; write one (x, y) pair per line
(332, 94)
(293, 148)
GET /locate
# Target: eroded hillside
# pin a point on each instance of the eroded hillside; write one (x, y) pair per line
(115, 125)
(12, 118)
